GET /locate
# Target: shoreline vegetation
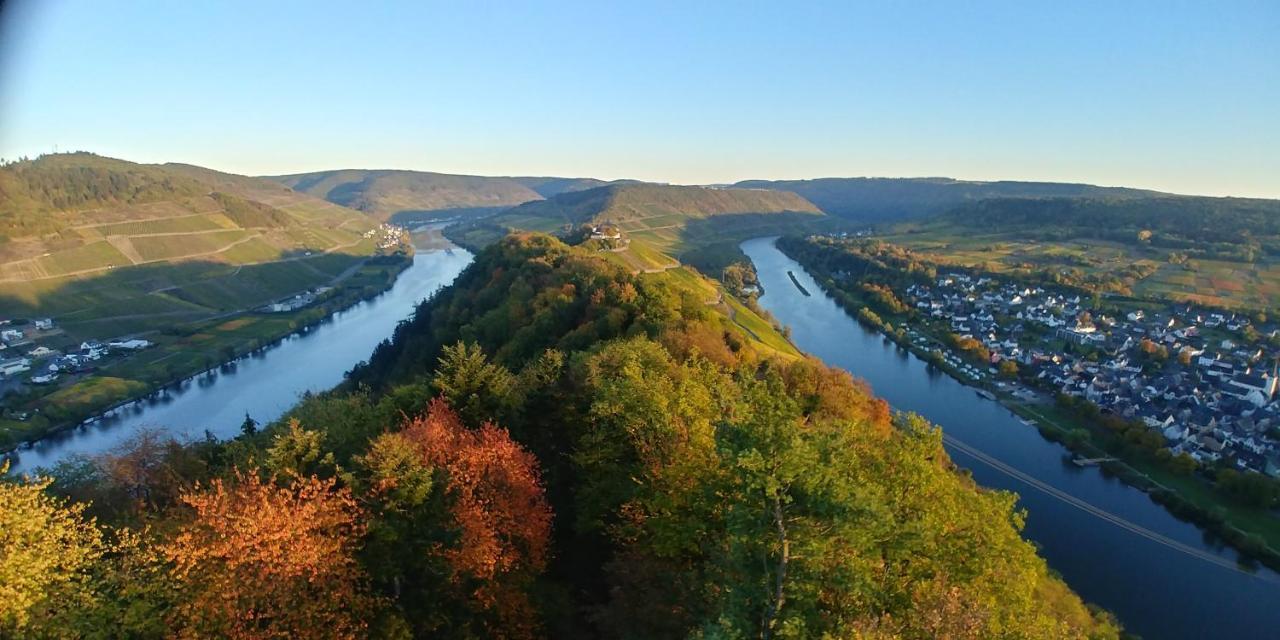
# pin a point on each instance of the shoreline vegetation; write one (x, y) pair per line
(1185, 497)
(554, 446)
(231, 337)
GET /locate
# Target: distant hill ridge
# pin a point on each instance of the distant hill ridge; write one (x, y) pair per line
(403, 194)
(85, 237)
(634, 202)
(892, 199)
(1188, 219)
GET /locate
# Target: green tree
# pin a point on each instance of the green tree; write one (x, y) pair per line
(249, 426)
(1183, 464)
(478, 389)
(297, 452)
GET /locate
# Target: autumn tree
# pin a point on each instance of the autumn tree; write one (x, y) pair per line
(47, 553)
(146, 473)
(497, 507)
(257, 560)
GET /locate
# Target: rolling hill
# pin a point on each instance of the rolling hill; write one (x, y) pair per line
(891, 199)
(408, 195)
(653, 204)
(657, 220)
(106, 244)
(1223, 252)
(630, 390)
(1186, 218)
(551, 187)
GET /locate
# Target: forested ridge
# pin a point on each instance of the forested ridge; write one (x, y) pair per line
(620, 203)
(1230, 228)
(383, 193)
(551, 447)
(31, 192)
(874, 200)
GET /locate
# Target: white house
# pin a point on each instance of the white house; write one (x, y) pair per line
(14, 366)
(133, 344)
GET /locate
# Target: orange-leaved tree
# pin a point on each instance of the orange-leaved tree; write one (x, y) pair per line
(257, 560)
(499, 508)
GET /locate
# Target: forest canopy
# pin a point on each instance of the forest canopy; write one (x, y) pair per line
(551, 447)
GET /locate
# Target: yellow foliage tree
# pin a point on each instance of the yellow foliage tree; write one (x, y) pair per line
(48, 555)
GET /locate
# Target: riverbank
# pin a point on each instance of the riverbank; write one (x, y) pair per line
(267, 383)
(183, 353)
(1093, 529)
(1253, 532)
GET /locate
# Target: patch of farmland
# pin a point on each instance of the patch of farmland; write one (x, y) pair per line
(169, 247)
(95, 255)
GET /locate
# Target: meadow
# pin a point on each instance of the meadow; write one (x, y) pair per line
(1124, 269)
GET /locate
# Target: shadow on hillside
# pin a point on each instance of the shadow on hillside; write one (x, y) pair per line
(411, 217)
(712, 243)
(135, 298)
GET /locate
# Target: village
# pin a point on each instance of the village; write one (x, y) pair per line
(1204, 381)
(387, 236)
(37, 352)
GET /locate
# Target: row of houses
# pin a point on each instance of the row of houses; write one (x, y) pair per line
(299, 301)
(1185, 372)
(20, 355)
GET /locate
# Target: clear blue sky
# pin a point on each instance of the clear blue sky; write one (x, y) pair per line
(1180, 96)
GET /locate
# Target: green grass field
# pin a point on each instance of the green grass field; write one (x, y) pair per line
(95, 255)
(186, 343)
(93, 392)
(149, 297)
(760, 329)
(183, 224)
(1212, 282)
(168, 247)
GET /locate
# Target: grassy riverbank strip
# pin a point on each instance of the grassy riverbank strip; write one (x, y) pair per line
(1254, 532)
(182, 352)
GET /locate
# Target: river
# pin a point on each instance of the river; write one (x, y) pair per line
(1156, 591)
(265, 384)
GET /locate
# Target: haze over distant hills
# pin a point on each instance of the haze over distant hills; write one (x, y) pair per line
(422, 194)
(634, 202)
(891, 199)
(406, 195)
(659, 221)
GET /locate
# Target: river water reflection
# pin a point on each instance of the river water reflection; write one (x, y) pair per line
(1157, 591)
(265, 384)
